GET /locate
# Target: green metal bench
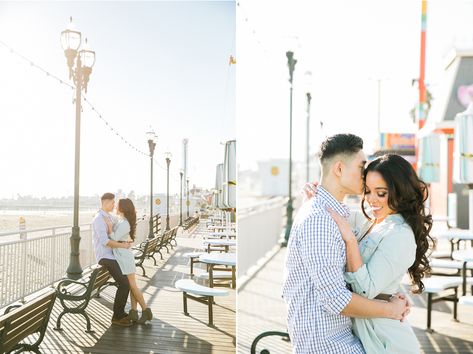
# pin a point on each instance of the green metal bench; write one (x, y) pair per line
(173, 241)
(21, 321)
(163, 242)
(168, 238)
(146, 250)
(157, 224)
(190, 221)
(284, 335)
(75, 295)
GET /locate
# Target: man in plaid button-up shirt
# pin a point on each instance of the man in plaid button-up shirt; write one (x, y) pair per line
(318, 300)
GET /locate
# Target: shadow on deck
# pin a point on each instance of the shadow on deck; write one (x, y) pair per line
(170, 331)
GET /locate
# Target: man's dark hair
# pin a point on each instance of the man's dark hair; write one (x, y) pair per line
(348, 144)
(107, 196)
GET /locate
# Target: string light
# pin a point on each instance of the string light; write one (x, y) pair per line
(112, 129)
(92, 107)
(14, 52)
(253, 31)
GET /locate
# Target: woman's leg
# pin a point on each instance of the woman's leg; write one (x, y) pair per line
(133, 301)
(137, 295)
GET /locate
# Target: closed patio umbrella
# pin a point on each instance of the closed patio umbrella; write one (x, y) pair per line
(463, 154)
(429, 158)
(463, 146)
(219, 185)
(229, 175)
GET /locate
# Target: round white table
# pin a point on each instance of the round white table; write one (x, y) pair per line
(218, 244)
(451, 234)
(219, 259)
(465, 256)
(454, 236)
(221, 227)
(213, 217)
(228, 259)
(226, 234)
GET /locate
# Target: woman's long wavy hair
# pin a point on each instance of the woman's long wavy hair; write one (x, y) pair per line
(406, 196)
(126, 207)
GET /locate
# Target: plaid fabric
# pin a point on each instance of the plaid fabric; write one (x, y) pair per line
(314, 288)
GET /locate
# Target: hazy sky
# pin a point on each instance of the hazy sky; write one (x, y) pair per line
(164, 64)
(347, 45)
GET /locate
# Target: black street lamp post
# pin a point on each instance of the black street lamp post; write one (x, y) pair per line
(84, 60)
(181, 172)
(291, 63)
(308, 79)
(168, 162)
(152, 145)
(188, 202)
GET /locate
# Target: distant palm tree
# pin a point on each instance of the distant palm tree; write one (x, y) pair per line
(428, 102)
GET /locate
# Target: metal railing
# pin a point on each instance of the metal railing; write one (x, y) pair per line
(40, 259)
(29, 265)
(259, 231)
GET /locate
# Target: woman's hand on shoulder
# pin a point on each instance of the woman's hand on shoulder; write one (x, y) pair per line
(309, 191)
(343, 225)
(109, 225)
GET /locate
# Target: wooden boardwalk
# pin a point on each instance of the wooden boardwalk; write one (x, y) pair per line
(169, 332)
(261, 308)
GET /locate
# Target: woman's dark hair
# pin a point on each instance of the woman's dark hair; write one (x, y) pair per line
(126, 207)
(406, 196)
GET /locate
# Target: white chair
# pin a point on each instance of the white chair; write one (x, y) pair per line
(203, 294)
(437, 284)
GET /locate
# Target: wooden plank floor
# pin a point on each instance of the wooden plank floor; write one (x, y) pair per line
(169, 332)
(261, 308)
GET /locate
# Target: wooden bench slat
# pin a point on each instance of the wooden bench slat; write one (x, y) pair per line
(102, 278)
(16, 322)
(28, 319)
(28, 328)
(21, 311)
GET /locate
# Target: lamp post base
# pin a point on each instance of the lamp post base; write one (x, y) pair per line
(74, 270)
(151, 233)
(289, 211)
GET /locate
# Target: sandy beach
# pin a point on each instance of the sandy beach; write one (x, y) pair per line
(10, 221)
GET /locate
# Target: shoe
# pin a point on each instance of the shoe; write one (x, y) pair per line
(124, 322)
(146, 315)
(133, 315)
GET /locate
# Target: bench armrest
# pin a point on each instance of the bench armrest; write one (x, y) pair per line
(139, 254)
(63, 293)
(9, 308)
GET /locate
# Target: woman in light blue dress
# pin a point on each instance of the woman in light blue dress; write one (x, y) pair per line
(391, 243)
(124, 231)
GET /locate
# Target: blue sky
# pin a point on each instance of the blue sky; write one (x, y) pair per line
(163, 64)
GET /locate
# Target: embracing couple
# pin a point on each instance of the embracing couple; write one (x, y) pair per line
(343, 270)
(112, 239)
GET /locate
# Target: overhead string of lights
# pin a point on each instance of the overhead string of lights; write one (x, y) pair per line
(86, 100)
(63, 82)
(252, 29)
(92, 107)
(112, 129)
(33, 64)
